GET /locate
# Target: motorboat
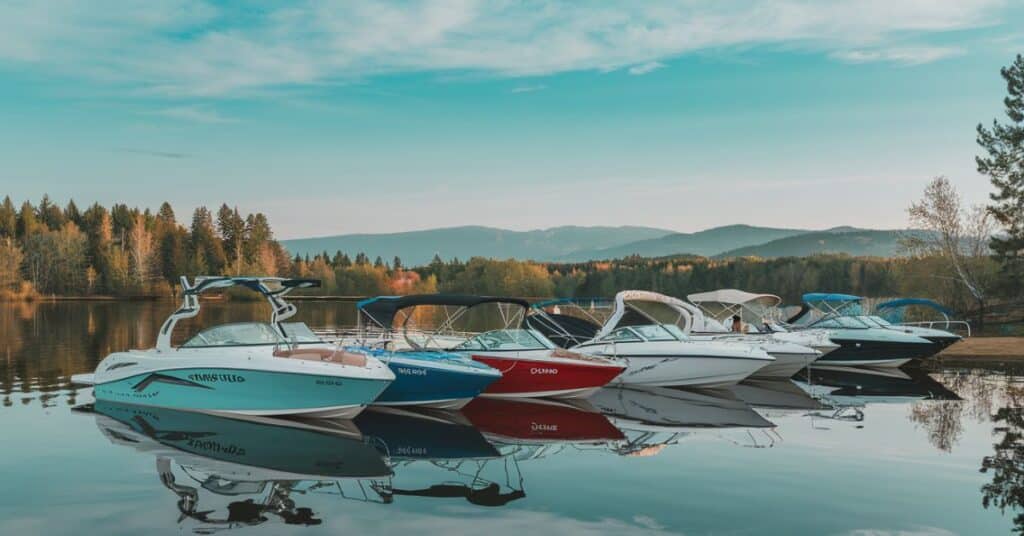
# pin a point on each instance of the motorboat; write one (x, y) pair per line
(643, 330)
(530, 365)
(892, 314)
(861, 342)
(242, 471)
(790, 356)
(251, 368)
(654, 418)
(757, 312)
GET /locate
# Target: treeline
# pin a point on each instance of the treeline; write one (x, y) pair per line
(123, 251)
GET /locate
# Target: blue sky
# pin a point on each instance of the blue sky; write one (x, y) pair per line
(337, 117)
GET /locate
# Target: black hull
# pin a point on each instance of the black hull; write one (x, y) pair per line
(854, 350)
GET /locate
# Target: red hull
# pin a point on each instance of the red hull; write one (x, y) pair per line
(546, 377)
(527, 421)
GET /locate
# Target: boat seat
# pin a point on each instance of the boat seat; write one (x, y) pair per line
(323, 354)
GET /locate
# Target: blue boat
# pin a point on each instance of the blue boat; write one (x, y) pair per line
(433, 379)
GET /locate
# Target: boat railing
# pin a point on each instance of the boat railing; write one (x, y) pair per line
(947, 325)
(371, 336)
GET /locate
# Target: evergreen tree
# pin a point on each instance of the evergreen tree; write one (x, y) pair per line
(232, 232)
(28, 224)
(50, 214)
(397, 263)
(166, 214)
(72, 214)
(378, 262)
(1004, 165)
(8, 219)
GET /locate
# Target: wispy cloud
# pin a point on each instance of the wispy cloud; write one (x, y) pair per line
(206, 49)
(645, 68)
(195, 114)
(158, 154)
(528, 89)
(904, 56)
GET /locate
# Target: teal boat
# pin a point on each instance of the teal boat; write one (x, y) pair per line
(270, 368)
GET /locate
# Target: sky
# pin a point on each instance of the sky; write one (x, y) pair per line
(343, 117)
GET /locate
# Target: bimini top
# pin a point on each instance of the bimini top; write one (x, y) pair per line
(268, 286)
(823, 297)
(907, 302)
(382, 309)
(733, 296)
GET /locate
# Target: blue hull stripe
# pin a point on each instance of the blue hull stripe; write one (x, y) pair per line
(414, 383)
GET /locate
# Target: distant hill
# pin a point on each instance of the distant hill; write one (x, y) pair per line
(855, 242)
(419, 247)
(708, 242)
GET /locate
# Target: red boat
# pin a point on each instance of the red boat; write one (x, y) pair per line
(539, 421)
(531, 365)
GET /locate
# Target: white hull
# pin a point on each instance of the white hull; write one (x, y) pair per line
(686, 371)
(450, 404)
(785, 365)
(335, 412)
(876, 363)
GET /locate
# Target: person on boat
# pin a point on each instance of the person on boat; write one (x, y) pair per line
(737, 325)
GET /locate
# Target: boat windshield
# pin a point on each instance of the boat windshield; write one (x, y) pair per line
(508, 339)
(880, 321)
(842, 322)
(241, 334)
(660, 332)
(299, 332)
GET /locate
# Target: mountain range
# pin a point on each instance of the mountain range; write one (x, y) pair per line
(578, 244)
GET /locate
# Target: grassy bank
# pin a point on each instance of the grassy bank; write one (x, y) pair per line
(977, 350)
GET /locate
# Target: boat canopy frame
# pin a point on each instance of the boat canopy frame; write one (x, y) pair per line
(723, 304)
(687, 313)
(273, 289)
(382, 310)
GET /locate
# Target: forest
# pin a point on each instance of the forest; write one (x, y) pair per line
(50, 250)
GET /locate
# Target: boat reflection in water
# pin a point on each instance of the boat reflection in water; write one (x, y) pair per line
(654, 418)
(777, 398)
(252, 464)
(436, 454)
(849, 386)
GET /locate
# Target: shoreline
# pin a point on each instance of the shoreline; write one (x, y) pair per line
(984, 350)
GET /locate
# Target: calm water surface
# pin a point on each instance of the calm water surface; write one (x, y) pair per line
(922, 452)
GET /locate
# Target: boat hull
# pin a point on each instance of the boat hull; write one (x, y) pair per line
(687, 371)
(786, 365)
(422, 383)
(855, 352)
(541, 377)
(244, 391)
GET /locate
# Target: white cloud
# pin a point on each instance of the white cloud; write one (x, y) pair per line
(194, 48)
(195, 114)
(645, 68)
(905, 55)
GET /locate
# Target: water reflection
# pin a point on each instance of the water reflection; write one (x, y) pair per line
(224, 473)
(254, 465)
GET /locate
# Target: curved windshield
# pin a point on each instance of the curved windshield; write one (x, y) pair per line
(299, 332)
(845, 322)
(242, 334)
(880, 321)
(659, 332)
(508, 339)
(622, 335)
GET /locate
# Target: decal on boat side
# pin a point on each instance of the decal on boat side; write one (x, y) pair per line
(538, 370)
(214, 378)
(411, 371)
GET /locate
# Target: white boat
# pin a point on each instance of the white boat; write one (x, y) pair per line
(248, 368)
(656, 350)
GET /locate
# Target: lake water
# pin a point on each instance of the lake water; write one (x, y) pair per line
(919, 452)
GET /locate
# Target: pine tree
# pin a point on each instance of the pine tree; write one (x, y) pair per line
(8, 219)
(1004, 165)
(72, 214)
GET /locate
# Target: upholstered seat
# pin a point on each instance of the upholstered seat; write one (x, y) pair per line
(323, 354)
